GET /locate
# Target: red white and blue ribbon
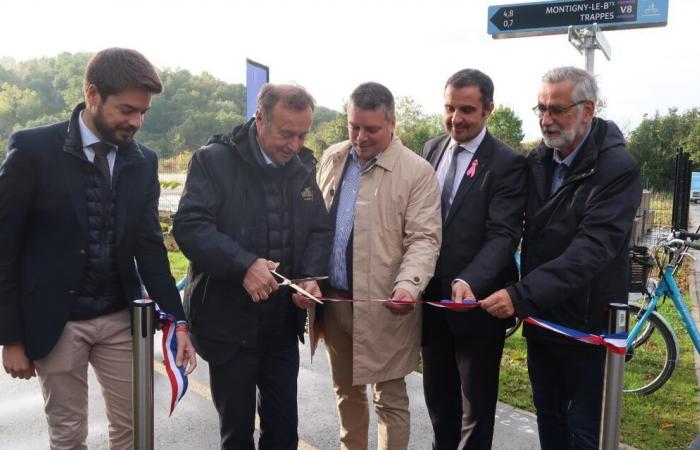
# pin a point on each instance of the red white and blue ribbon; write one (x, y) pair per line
(446, 304)
(615, 342)
(176, 375)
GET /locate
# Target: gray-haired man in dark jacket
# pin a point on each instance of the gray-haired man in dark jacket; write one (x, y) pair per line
(584, 190)
(251, 202)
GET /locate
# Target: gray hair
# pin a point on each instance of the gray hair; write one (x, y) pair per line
(585, 86)
(371, 96)
(291, 96)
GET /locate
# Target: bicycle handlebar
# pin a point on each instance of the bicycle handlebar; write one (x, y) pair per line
(682, 234)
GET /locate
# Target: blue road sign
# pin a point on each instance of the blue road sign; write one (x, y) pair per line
(256, 75)
(554, 17)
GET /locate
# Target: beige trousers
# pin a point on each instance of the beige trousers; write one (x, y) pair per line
(390, 397)
(104, 342)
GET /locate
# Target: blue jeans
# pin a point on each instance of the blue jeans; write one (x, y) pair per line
(567, 389)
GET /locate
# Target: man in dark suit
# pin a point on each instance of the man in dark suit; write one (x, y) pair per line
(78, 205)
(483, 197)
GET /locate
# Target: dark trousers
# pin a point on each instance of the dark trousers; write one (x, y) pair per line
(567, 390)
(272, 367)
(460, 383)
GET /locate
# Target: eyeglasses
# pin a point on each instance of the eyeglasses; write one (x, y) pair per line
(554, 110)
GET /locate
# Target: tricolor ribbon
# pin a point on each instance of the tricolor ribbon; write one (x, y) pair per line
(447, 304)
(176, 375)
(615, 342)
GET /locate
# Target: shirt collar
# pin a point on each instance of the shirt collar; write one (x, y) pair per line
(472, 145)
(570, 159)
(370, 163)
(86, 134)
(268, 161)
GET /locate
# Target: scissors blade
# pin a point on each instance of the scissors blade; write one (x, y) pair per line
(301, 280)
(300, 290)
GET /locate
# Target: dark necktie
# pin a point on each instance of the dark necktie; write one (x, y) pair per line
(101, 163)
(449, 182)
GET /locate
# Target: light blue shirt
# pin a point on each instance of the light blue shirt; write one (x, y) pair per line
(266, 158)
(89, 138)
(345, 219)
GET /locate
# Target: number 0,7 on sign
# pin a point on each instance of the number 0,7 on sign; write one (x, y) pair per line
(528, 19)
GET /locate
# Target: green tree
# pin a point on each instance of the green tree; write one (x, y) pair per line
(328, 133)
(414, 127)
(504, 124)
(655, 141)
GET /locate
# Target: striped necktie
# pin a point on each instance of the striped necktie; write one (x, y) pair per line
(446, 199)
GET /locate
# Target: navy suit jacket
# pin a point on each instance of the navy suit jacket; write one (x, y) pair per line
(481, 232)
(43, 232)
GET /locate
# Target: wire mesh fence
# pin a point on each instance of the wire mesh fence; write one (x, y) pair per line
(172, 173)
(654, 216)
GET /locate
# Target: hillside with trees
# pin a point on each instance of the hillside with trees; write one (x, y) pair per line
(193, 107)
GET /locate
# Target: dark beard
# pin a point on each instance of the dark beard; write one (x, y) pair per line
(110, 134)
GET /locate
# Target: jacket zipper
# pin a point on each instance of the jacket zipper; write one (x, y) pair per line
(587, 310)
(243, 215)
(204, 294)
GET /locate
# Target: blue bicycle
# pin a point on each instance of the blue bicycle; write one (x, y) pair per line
(652, 345)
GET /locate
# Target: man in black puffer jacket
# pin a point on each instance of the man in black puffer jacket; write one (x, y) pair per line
(584, 190)
(251, 202)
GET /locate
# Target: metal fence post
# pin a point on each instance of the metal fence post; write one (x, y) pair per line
(614, 381)
(142, 329)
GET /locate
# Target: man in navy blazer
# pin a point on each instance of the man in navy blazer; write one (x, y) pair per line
(483, 197)
(78, 209)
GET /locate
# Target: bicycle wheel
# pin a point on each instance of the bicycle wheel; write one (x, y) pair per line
(654, 354)
(511, 331)
(647, 329)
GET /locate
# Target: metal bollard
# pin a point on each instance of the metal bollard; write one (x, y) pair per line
(614, 379)
(142, 329)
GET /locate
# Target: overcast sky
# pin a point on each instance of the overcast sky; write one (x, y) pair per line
(331, 46)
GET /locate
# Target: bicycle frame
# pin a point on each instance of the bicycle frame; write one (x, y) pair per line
(667, 287)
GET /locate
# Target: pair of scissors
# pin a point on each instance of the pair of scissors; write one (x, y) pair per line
(293, 284)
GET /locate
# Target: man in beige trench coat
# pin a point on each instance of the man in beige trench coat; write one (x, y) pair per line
(384, 203)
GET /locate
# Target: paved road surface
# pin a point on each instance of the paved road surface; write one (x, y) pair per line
(194, 424)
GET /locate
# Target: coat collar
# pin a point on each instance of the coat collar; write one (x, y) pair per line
(583, 166)
(387, 160)
(127, 155)
(243, 141)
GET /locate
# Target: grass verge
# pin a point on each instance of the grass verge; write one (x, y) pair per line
(178, 264)
(666, 419)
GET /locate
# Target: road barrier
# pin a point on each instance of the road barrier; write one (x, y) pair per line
(612, 388)
(142, 329)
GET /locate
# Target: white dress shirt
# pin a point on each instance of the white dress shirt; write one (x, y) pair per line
(463, 160)
(89, 138)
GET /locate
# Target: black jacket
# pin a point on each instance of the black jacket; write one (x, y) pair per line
(575, 245)
(44, 232)
(219, 225)
(480, 235)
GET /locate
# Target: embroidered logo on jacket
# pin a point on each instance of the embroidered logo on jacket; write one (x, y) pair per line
(307, 194)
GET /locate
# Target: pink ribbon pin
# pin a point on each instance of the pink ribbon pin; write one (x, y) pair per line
(471, 171)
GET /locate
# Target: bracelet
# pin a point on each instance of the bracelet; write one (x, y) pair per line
(182, 328)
